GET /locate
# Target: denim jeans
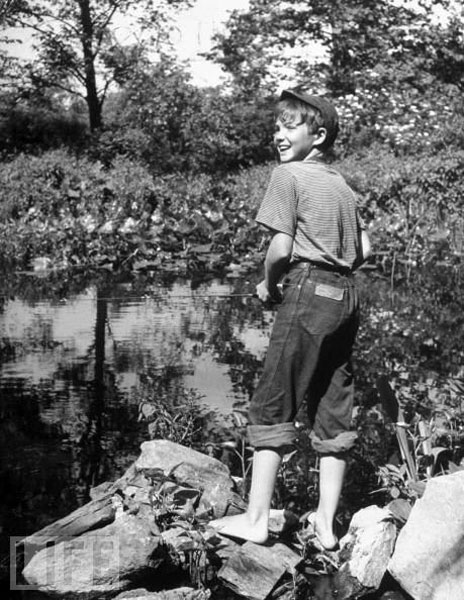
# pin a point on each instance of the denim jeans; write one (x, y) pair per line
(309, 358)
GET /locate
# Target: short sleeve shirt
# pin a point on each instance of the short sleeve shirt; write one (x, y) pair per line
(310, 201)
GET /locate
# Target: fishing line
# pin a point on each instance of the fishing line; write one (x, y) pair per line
(156, 297)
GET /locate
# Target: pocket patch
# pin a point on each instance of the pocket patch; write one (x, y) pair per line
(329, 291)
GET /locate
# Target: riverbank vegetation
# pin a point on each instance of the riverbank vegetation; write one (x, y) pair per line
(167, 177)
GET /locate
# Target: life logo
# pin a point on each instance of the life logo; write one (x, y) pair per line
(63, 565)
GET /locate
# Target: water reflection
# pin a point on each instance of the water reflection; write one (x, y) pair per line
(74, 368)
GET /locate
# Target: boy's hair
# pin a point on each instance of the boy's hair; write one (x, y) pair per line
(315, 111)
(289, 110)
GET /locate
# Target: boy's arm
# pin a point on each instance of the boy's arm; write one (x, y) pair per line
(277, 258)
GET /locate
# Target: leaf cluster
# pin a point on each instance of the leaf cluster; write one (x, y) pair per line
(76, 213)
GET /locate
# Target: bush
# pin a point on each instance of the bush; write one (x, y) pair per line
(54, 206)
(26, 129)
(413, 204)
(61, 210)
(177, 127)
(76, 211)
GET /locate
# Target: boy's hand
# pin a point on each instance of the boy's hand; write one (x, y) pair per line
(266, 295)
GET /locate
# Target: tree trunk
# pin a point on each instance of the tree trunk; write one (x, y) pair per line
(341, 71)
(93, 102)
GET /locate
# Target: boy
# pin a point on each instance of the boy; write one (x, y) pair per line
(317, 242)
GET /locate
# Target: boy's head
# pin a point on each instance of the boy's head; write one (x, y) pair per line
(315, 111)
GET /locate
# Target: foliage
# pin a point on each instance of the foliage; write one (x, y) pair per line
(29, 126)
(182, 420)
(406, 118)
(161, 118)
(8, 8)
(157, 117)
(353, 38)
(411, 334)
(72, 212)
(76, 212)
(76, 40)
(395, 71)
(413, 206)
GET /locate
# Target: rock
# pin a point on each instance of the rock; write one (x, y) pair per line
(192, 468)
(102, 490)
(99, 547)
(189, 467)
(282, 521)
(97, 513)
(183, 593)
(364, 553)
(253, 570)
(428, 561)
(223, 547)
(94, 563)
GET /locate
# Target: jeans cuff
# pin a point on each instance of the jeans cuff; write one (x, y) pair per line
(272, 436)
(337, 445)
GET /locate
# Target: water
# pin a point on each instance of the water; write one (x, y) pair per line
(76, 366)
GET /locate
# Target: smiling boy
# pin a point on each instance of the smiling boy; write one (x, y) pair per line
(318, 241)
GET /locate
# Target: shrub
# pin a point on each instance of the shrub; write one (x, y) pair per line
(413, 205)
(35, 129)
(56, 203)
(71, 211)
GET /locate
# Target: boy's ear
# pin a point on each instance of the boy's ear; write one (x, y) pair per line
(320, 135)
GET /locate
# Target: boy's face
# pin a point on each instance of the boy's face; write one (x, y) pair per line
(293, 139)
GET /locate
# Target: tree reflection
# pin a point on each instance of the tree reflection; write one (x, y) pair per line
(91, 441)
(78, 426)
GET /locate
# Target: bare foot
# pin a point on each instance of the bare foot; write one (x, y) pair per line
(323, 532)
(243, 527)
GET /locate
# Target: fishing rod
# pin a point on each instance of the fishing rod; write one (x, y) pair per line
(161, 296)
(167, 296)
(157, 297)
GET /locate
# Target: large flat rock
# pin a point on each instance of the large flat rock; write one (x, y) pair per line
(192, 468)
(95, 563)
(252, 571)
(428, 560)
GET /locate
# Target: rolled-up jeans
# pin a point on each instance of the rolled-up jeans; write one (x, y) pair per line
(309, 358)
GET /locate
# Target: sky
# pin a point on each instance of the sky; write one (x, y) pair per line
(196, 27)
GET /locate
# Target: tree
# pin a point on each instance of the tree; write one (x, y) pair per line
(344, 37)
(159, 116)
(75, 39)
(392, 67)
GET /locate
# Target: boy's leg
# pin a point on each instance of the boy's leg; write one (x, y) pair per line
(331, 475)
(271, 429)
(332, 436)
(253, 524)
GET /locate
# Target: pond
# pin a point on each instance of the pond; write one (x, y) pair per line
(76, 366)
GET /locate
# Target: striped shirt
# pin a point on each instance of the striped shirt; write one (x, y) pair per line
(310, 201)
